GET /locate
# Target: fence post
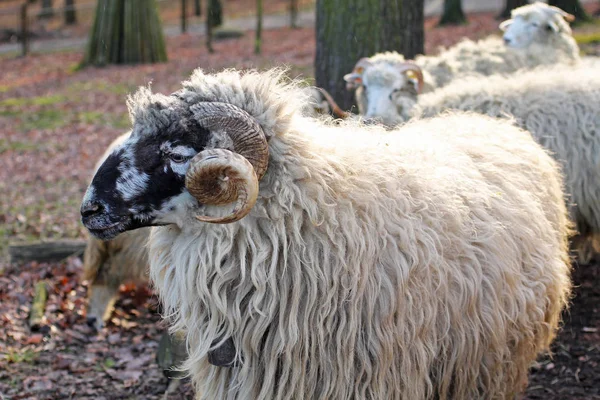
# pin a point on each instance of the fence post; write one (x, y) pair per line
(183, 16)
(24, 29)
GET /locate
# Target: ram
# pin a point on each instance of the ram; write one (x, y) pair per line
(341, 261)
(537, 34)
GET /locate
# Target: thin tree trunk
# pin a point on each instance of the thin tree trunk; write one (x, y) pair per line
(216, 13)
(572, 7)
(197, 8)
(70, 14)
(348, 30)
(126, 32)
(509, 6)
(259, 21)
(209, 26)
(47, 10)
(453, 13)
(294, 14)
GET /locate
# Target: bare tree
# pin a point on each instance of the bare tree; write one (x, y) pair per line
(47, 10)
(259, 21)
(215, 16)
(294, 13)
(126, 32)
(453, 13)
(350, 29)
(197, 8)
(70, 15)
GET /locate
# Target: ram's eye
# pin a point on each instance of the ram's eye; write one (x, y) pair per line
(549, 28)
(178, 158)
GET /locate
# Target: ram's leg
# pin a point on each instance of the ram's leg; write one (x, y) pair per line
(102, 300)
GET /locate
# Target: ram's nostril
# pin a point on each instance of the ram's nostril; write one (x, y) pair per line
(91, 322)
(506, 40)
(90, 208)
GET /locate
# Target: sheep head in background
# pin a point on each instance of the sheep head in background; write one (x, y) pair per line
(536, 23)
(387, 87)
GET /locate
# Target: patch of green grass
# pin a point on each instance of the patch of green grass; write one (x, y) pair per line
(109, 363)
(5, 145)
(4, 88)
(27, 356)
(43, 119)
(120, 121)
(101, 86)
(33, 101)
(8, 113)
(587, 38)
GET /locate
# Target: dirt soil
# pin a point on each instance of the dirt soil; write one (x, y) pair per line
(55, 121)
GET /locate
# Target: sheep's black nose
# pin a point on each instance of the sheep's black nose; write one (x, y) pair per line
(89, 208)
(506, 40)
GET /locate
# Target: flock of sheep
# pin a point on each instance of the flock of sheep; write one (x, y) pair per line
(425, 255)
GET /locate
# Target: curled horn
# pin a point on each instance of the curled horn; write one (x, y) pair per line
(337, 111)
(411, 66)
(354, 78)
(568, 17)
(221, 176)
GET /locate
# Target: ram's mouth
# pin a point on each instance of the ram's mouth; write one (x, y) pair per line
(105, 231)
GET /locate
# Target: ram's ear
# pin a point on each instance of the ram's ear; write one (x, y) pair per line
(504, 25)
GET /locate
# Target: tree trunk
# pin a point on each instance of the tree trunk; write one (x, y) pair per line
(293, 14)
(209, 34)
(453, 13)
(47, 11)
(216, 13)
(126, 32)
(259, 21)
(197, 8)
(348, 30)
(572, 7)
(509, 6)
(70, 15)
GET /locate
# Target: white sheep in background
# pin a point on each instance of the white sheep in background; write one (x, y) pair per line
(537, 34)
(561, 107)
(343, 262)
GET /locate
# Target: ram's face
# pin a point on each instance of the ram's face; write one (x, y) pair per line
(524, 30)
(142, 182)
(387, 93)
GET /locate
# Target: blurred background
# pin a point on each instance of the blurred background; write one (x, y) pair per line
(66, 68)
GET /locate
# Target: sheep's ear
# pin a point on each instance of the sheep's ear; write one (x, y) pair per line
(504, 25)
(353, 77)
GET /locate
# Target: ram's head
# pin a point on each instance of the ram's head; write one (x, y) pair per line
(534, 23)
(205, 158)
(385, 90)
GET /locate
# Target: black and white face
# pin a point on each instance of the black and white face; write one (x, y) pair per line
(142, 182)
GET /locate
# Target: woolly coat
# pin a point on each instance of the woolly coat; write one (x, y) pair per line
(426, 262)
(559, 106)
